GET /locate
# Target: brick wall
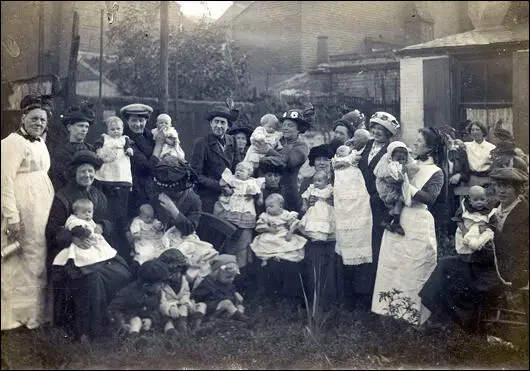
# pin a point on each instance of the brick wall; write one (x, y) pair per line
(347, 23)
(269, 33)
(411, 93)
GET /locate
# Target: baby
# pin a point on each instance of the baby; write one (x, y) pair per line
(238, 207)
(147, 233)
(350, 153)
(265, 137)
(473, 219)
(390, 173)
(318, 223)
(115, 150)
(172, 143)
(276, 238)
(81, 225)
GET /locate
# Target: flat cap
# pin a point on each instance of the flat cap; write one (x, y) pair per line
(137, 109)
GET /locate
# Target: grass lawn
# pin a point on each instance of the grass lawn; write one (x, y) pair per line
(278, 340)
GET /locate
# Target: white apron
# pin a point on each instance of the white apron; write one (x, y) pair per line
(28, 193)
(406, 262)
(353, 217)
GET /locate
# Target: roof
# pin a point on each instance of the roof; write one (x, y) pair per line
(477, 37)
(233, 11)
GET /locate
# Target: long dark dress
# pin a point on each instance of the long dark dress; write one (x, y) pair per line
(361, 278)
(81, 296)
(142, 167)
(457, 289)
(61, 156)
(294, 154)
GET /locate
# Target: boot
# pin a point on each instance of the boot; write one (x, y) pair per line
(196, 321)
(182, 325)
(238, 316)
(397, 226)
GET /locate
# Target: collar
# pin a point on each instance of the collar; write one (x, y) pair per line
(24, 134)
(428, 161)
(509, 208)
(221, 140)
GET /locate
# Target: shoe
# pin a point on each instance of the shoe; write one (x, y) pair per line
(182, 326)
(398, 229)
(389, 227)
(172, 332)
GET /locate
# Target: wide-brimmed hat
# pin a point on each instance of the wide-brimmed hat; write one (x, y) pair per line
(86, 157)
(509, 175)
(296, 115)
(79, 113)
(355, 118)
(225, 112)
(174, 173)
(386, 120)
(153, 271)
(247, 130)
(504, 147)
(136, 109)
(322, 150)
(503, 134)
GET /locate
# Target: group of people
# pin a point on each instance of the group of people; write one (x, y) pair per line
(106, 233)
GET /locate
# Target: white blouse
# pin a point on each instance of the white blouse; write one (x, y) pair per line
(478, 155)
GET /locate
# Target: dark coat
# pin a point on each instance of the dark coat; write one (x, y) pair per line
(142, 165)
(209, 161)
(294, 154)
(511, 246)
(62, 155)
(212, 292)
(136, 299)
(57, 236)
(189, 205)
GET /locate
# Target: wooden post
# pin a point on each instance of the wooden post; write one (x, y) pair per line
(164, 55)
(72, 63)
(40, 60)
(100, 93)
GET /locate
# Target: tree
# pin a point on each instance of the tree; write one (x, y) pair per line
(209, 66)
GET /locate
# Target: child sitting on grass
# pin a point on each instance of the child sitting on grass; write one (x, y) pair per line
(176, 304)
(217, 290)
(136, 306)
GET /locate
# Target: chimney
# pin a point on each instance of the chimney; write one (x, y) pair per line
(487, 14)
(322, 50)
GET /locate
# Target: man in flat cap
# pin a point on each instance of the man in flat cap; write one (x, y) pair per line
(136, 116)
(212, 154)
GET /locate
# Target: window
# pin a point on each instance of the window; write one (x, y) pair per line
(487, 81)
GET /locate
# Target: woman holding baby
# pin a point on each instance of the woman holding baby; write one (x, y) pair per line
(406, 261)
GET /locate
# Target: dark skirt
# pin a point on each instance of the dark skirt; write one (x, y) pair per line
(281, 280)
(320, 271)
(457, 289)
(117, 204)
(361, 278)
(80, 304)
(142, 191)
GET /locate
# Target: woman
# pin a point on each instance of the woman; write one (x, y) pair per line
(241, 134)
(343, 130)
(318, 261)
(77, 121)
(479, 158)
(319, 159)
(383, 126)
(27, 194)
(294, 153)
(81, 295)
(405, 262)
(136, 116)
(457, 289)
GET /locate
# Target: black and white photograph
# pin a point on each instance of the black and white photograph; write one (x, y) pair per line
(264, 185)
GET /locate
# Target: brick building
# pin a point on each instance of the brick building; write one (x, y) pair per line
(280, 37)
